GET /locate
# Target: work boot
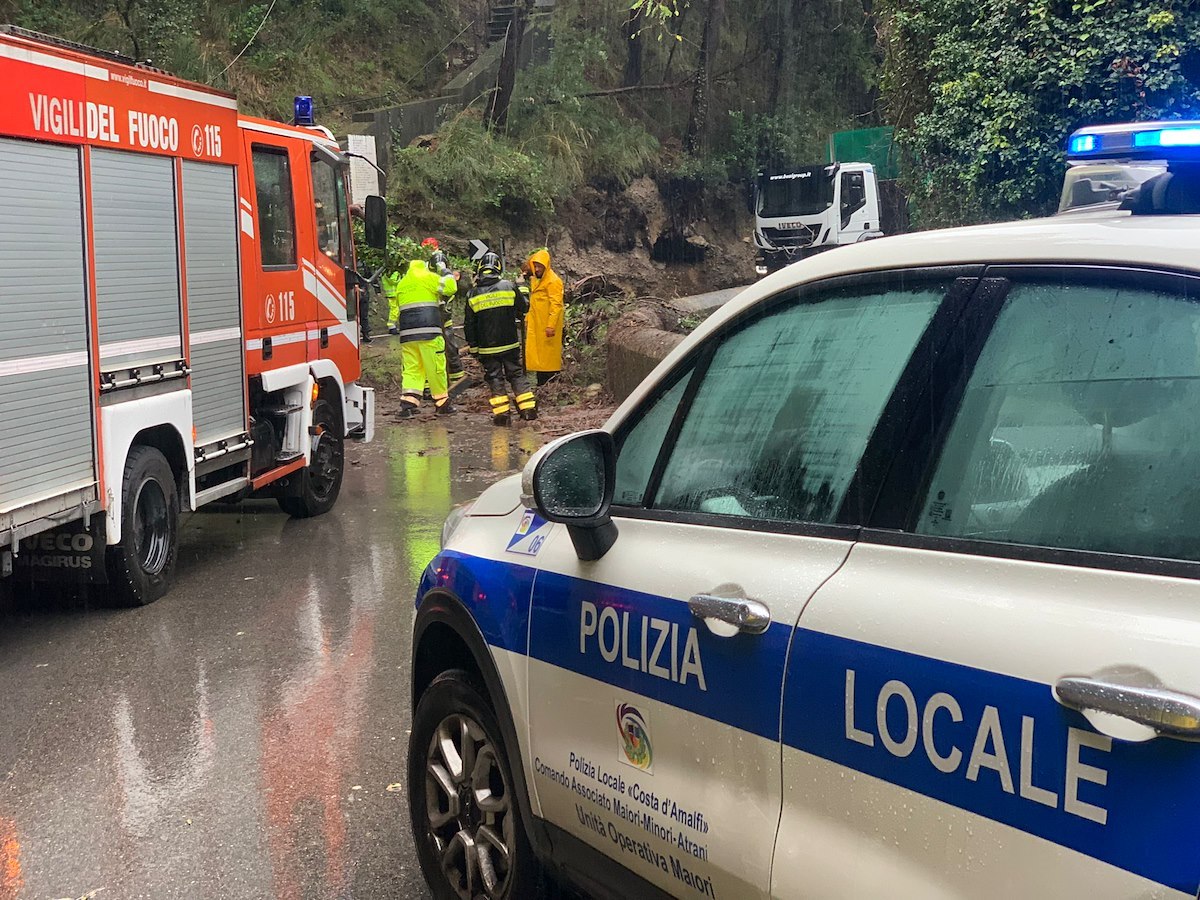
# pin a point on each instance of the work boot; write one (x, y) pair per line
(408, 412)
(529, 415)
(447, 409)
(502, 419)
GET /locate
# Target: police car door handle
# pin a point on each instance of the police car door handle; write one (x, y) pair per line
(1170, 713)
(745, 615)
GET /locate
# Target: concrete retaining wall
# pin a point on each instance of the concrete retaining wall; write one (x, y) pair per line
(637, 343)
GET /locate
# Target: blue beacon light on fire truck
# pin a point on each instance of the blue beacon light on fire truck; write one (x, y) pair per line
(304, 112)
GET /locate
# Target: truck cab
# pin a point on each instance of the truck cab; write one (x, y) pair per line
(802, 210)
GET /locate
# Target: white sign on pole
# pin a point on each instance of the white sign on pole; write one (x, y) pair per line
(364, 179)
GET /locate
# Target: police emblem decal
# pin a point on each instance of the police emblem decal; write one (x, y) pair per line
(530, 534)
(633, 738)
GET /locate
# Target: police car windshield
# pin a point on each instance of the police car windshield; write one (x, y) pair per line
(802, 192)
(1089, 185)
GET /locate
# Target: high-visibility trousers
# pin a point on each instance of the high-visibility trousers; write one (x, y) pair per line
(424, 363)
(506, 366)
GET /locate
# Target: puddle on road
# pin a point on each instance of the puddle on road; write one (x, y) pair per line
(232, 720)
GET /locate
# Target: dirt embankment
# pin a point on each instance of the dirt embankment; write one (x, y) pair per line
(663, 239)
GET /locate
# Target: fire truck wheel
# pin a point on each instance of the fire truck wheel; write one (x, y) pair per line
(321, 482)
(141, 566)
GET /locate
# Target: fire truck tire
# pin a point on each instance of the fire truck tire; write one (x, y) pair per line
(321, 481)
(141, 566)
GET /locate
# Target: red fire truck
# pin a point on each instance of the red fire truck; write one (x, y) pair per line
(174, 324)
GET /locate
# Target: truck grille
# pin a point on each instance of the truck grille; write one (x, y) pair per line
(797, 236)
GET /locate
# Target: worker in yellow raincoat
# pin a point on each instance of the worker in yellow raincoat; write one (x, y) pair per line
(416, 313)
(544, 323)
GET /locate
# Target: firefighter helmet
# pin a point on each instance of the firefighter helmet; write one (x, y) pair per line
(490, 264)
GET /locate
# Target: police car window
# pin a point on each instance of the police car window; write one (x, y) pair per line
(276, 211)
(1079, 427)
(642, 444)
(787, 405)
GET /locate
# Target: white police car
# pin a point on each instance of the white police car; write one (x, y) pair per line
(885, 583)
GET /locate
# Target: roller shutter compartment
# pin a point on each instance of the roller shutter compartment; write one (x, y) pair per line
(46, 443)
(210, 229)
(137, 259)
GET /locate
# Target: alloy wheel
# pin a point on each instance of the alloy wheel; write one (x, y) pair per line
(469, 809)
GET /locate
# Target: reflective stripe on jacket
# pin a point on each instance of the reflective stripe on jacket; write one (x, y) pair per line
(491, 323)
(413, 301)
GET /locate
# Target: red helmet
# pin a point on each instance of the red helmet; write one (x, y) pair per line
(430, 242)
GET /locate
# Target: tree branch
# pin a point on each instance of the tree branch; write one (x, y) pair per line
(609, 92)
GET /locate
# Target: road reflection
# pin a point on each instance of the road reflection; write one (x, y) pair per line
(210, 745)
(10, 860)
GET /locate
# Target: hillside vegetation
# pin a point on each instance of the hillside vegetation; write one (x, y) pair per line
(696, 95)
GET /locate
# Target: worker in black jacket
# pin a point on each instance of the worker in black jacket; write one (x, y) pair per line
(495, 311)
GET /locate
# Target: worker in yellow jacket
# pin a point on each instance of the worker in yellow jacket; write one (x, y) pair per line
(416, 313)
(544, 323)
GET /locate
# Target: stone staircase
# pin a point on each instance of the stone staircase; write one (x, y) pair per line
(502, 13)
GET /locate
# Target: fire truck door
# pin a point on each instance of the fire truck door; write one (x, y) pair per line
(277, 307)
(325, 273)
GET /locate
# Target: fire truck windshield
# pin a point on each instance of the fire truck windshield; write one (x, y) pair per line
(803, 192)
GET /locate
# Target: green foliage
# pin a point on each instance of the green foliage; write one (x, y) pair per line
(383, 365)
(793, 136)
(470, 176)
(659, 12)
(585, 333)
(558, 140)
(985, 94)
(579, 138)
(331, 49)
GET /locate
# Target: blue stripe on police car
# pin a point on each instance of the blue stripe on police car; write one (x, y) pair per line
(998, 746)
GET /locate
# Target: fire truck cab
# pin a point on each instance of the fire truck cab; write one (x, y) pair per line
(177, 313)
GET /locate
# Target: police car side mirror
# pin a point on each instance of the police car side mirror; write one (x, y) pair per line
(571, 481)
(375, 222)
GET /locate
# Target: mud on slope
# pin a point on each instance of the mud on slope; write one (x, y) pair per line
(665, 239)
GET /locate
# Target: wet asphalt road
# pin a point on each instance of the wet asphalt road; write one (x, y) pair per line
(245, 736)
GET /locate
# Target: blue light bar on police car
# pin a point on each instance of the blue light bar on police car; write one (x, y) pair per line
(1168, 137)
(304, 112)
(1168, 141)
(1082, 143)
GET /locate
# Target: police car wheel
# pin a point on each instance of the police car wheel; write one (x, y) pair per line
(321, 481)
(140, 567)
(465, 816)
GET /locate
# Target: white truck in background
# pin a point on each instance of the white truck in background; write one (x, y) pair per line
(803, 210)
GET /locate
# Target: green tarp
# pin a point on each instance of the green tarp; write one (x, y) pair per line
(869, 145)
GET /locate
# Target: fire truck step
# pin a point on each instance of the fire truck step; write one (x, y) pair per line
(281, 410)
(221, 490)
(287, 457)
